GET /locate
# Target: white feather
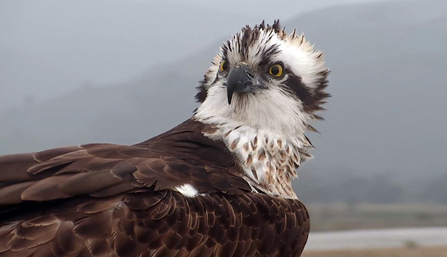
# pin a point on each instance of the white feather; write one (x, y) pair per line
(187, 190)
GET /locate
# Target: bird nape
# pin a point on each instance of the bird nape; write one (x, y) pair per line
(218, 184)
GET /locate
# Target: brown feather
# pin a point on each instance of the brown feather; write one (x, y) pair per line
(115, 200)
(13, 194)
(46, 189)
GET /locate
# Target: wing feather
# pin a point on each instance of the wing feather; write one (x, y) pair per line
(117, 200)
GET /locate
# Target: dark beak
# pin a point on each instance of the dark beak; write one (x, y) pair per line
(240, 80)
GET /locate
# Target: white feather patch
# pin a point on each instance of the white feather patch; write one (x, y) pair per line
(187, 190)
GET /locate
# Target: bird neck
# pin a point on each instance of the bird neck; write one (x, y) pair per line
(268, 160)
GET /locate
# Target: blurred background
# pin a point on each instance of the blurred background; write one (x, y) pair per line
(74, 72)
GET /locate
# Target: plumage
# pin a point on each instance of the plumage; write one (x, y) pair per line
(218, 184)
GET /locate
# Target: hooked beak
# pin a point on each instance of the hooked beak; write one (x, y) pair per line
(240, 80)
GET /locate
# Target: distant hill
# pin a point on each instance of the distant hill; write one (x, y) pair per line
(386, 123)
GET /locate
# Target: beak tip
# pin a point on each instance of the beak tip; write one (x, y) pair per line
(229, 96)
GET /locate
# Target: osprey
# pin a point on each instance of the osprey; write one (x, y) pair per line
(218, 184)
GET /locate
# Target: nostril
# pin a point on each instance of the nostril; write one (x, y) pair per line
(249, 74)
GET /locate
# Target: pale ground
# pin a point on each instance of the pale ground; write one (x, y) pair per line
(435, 251)
(336, 217)
(353, 217)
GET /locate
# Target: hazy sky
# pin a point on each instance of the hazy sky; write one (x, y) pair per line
(50, 47)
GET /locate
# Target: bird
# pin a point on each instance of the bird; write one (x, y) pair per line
(218, 184)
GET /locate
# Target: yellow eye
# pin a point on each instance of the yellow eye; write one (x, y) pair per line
(276, 70)
(223, 66)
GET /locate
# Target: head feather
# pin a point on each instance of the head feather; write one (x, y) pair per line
(263, 41)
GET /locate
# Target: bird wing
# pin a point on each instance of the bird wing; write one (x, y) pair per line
(117, 200)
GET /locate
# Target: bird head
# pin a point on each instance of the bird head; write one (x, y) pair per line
(264, 78)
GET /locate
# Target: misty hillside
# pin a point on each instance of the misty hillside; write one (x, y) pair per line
(386, 126)
(385, 130)
(50, 47)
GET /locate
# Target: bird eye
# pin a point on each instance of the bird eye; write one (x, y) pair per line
(223, 65)
(276, 70)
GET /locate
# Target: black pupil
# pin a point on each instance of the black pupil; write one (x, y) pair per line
(224, 65)
(274, 70)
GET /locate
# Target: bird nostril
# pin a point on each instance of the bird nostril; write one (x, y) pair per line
(249, 74)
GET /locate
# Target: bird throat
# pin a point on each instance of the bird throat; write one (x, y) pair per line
(267, 161)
